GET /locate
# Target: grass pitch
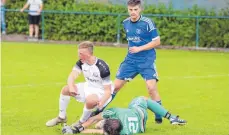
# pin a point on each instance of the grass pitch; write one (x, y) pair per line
(193, 84)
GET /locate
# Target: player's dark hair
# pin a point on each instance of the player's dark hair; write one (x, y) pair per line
(112, 126)
(134, 3)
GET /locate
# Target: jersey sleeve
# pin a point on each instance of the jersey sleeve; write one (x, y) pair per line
(109, 113)
(124, 26)
(78, 66)
(104, 72)
(151, 27)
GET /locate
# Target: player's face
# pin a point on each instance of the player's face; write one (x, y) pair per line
(134, 12)
(84, 54)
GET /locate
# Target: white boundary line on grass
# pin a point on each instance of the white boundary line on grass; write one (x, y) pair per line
(33, 85)
(62, 83)
(194, 77)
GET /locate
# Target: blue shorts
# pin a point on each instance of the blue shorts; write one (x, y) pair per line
(131, 68)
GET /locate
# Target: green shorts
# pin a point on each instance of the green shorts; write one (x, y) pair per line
(140, 104)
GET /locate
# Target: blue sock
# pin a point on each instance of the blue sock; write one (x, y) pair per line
(113, 95)
(156, 115)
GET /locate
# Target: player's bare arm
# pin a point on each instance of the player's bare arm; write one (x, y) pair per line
(92, 131)
(24, 7)
(92, 120)
(150, 45)
(41, 8)
(71, 82)
(81, 128)
(107, 95)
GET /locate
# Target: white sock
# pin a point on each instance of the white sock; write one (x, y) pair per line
(86, 114)
(63, 104)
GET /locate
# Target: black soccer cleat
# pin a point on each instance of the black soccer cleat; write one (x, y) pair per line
(158, 120)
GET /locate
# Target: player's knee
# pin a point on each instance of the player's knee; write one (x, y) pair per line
(31, 26)
(151, 89)
(91, 101)
(65, 90)
(143, 97)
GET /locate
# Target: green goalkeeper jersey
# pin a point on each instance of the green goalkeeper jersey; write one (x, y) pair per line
(132, 119)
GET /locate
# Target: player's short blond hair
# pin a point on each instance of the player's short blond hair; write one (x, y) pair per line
(87, 45)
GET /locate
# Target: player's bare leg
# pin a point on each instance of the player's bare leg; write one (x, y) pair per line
(152, 90)
(31, 31)
(91, 102)
(154, 94)
(63, 104)
(36, 31)
(118, 84)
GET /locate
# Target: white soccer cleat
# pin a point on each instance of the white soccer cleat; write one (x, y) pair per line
(55, 121)
(177, 121)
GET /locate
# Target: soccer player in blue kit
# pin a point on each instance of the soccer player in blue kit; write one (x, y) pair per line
(142, 37)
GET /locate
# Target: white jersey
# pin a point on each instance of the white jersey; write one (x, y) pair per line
(96, 75)
(34, 5)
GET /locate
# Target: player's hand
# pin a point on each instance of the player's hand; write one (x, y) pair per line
(21, 10)
(134, 49)
(72, 130)
(100, 105)
(67, 129)
(39, 11)
(73, 91)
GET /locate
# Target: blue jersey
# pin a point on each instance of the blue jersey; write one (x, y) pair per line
(140, 33)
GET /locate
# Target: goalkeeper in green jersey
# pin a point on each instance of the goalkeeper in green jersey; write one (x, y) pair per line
(124, 121)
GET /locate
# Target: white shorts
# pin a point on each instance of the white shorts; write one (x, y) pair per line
(84, 90)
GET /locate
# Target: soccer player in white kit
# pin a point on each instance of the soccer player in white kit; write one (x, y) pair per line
(95, 93)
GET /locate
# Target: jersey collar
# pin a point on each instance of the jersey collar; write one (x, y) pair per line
(96, 59)
(137, 20)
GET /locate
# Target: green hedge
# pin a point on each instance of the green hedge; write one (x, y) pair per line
(173, 30)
